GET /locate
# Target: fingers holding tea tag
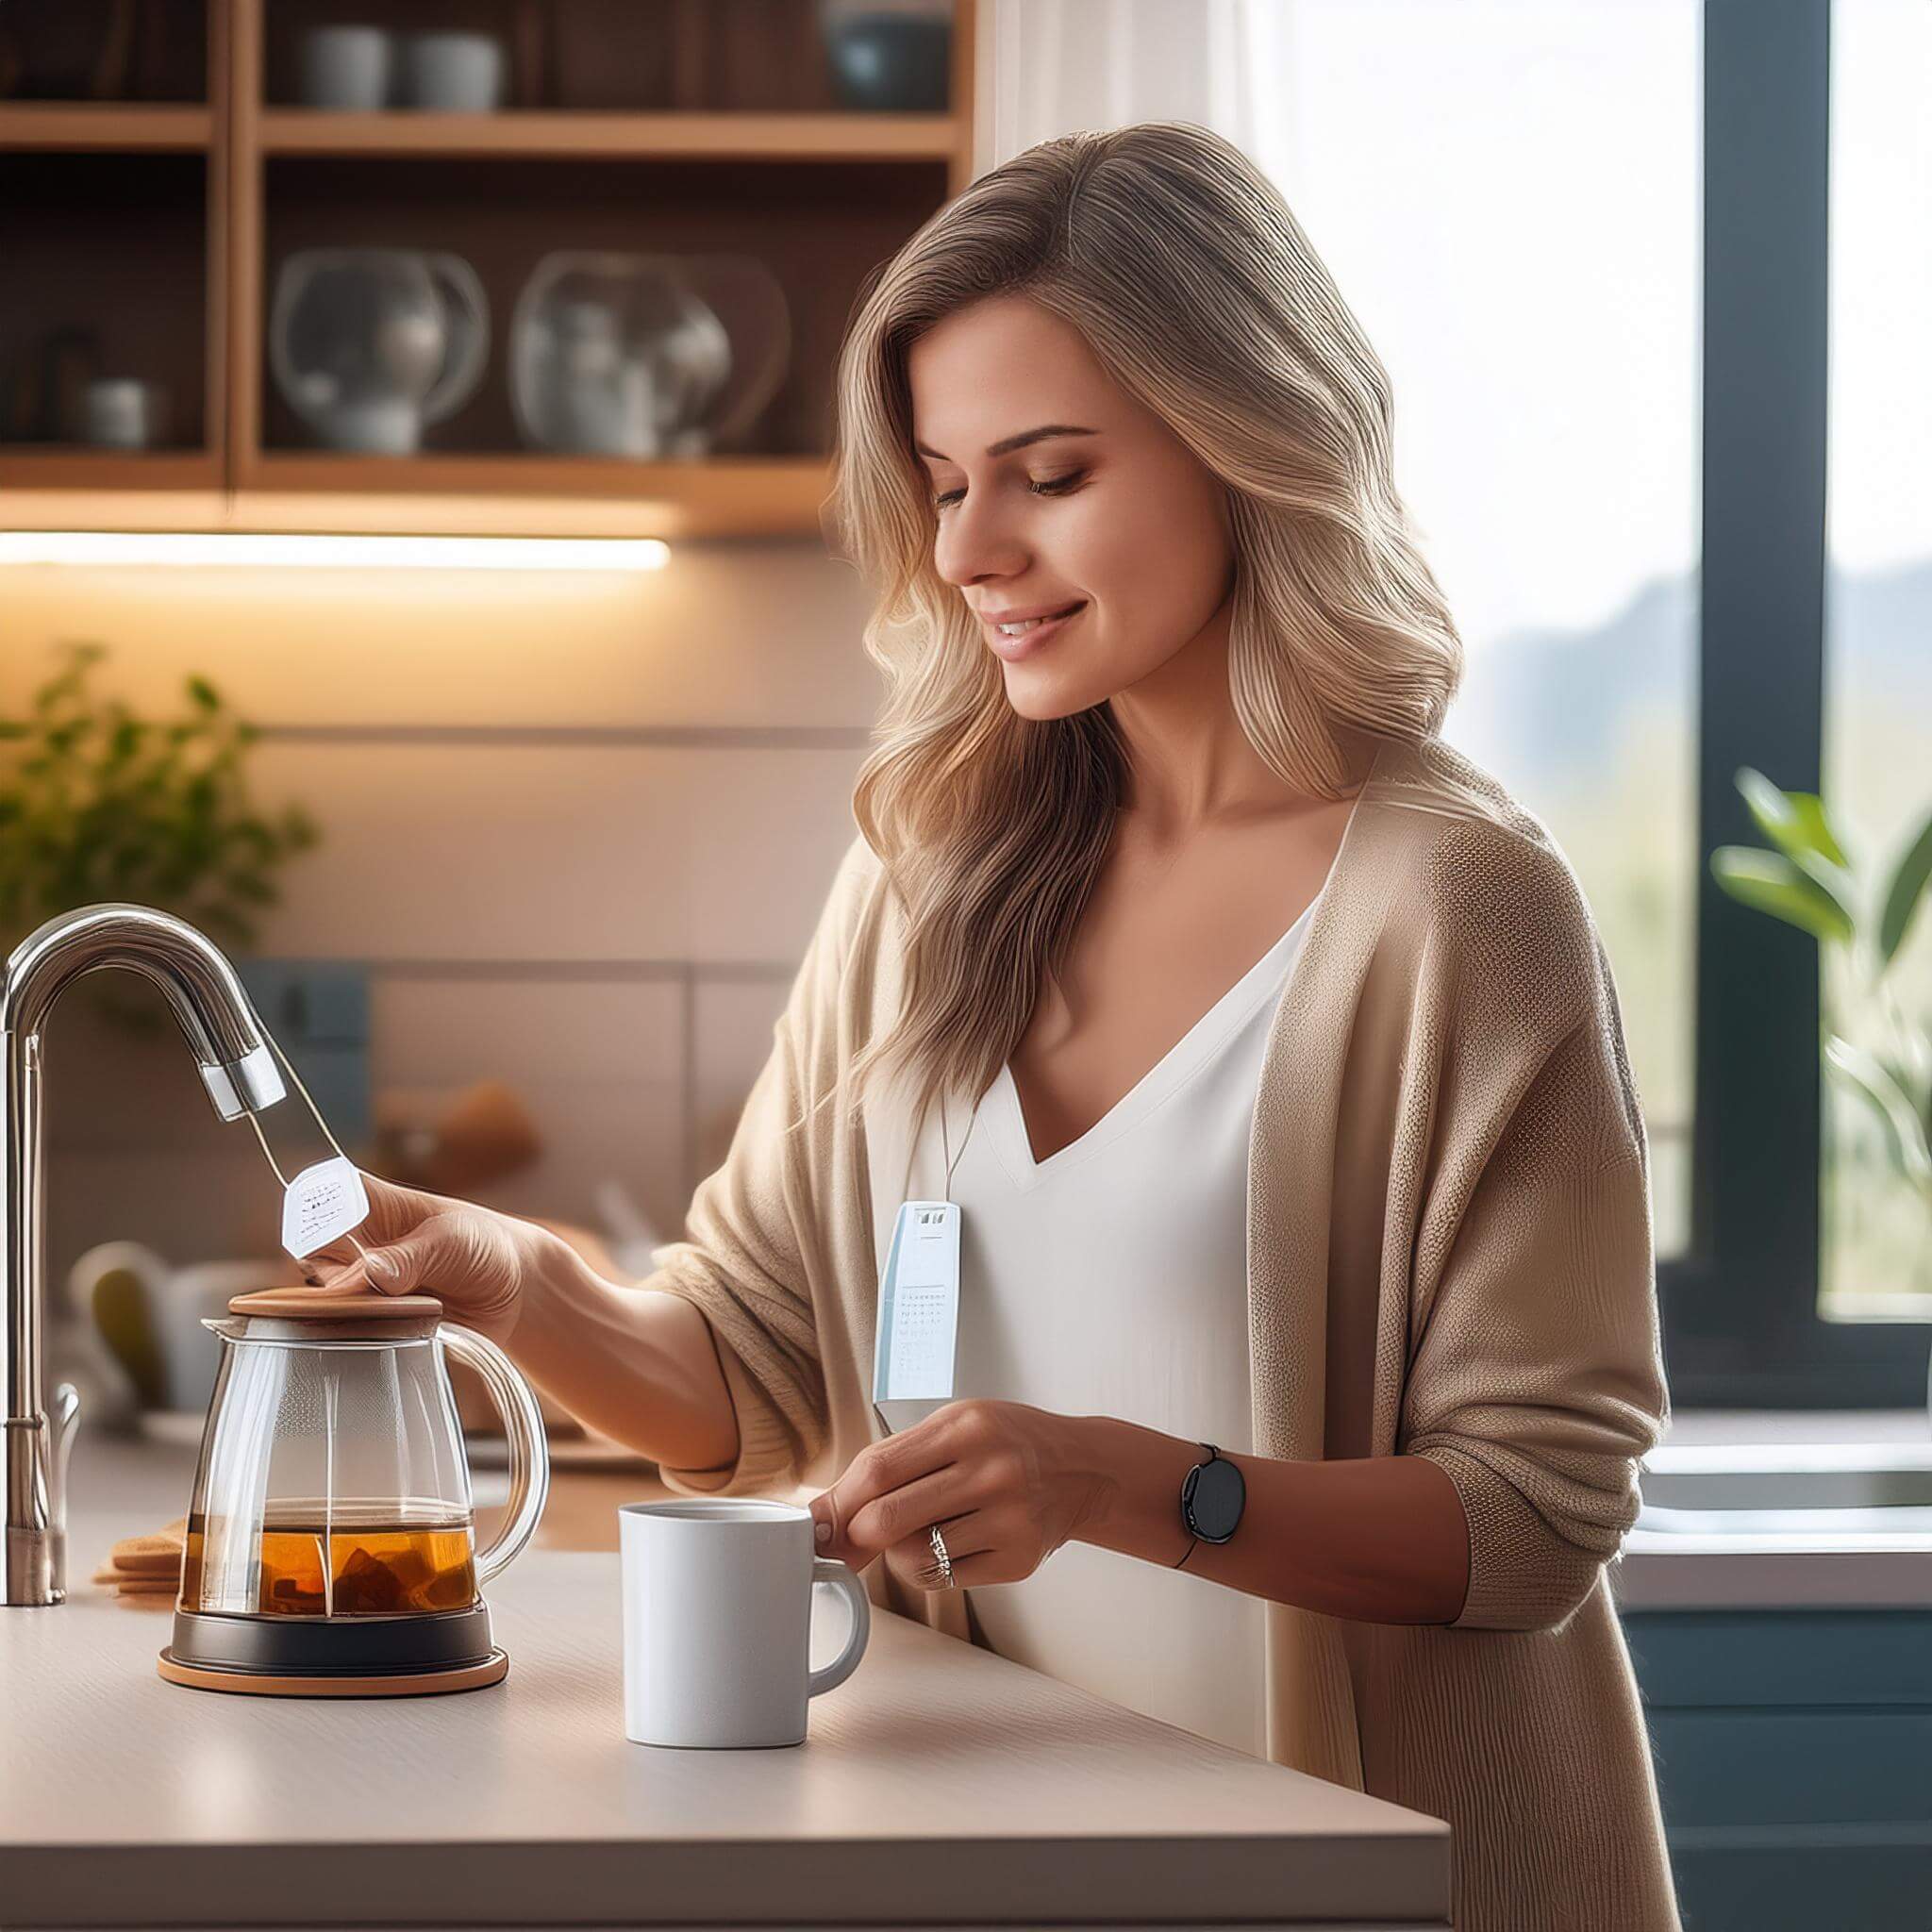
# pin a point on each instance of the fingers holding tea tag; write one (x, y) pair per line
(475, 1260)
(393, 1270)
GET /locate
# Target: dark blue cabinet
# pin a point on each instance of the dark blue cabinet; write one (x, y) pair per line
(1794, 1752)
(318, 1011)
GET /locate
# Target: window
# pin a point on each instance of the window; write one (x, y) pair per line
(1876, 1240)
(1507, 195)
(1595, 245)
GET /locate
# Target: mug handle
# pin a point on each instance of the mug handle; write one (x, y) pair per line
(830, 1571)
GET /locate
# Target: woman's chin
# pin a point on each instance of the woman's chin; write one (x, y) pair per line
(1040, 695)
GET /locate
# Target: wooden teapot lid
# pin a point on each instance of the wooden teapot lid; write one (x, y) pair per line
(311, 1305)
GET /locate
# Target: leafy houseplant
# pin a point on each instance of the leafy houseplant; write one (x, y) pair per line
(1882, 1054)
(97, 804)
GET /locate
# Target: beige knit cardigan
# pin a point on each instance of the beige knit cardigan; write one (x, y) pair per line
(1450, 1255)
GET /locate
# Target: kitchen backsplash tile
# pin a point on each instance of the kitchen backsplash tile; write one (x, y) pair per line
(600, 1067)
(563, 852)
(738, 634)
(578, 829)
(733, 1028)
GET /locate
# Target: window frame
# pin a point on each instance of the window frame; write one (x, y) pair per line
(1740, 1307)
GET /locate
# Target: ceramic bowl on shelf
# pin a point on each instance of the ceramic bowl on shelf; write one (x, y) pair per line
(890, 58)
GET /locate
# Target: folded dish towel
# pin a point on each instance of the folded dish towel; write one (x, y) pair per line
(147, 1569)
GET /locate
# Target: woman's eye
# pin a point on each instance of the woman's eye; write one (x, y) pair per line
(1047, 486)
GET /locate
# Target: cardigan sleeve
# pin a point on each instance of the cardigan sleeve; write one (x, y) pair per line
(752, 1228)
(1536, 1383)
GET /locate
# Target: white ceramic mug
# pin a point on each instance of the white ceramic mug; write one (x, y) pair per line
(717, 1622)
(454, 73)
(347, 67)
(123, 413)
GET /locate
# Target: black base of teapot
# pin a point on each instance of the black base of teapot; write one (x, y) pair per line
(322, 1646)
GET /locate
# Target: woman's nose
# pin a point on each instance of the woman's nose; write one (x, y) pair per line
(973, 543)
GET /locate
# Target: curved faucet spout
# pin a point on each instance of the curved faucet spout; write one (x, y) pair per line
(240, 1073)
(197, 982)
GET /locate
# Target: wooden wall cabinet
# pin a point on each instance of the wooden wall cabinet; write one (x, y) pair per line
(143, 236)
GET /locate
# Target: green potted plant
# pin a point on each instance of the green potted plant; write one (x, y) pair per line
(1872, 1046)
(99, 804)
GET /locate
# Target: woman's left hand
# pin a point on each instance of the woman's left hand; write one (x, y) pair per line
(1006, 1483)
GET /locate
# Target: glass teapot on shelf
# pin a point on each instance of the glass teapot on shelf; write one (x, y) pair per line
(330, 1542)
(652, 357)
(371, 345)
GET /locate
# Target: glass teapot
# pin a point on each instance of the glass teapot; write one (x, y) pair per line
(645, 356)
(371, 345)
(330, 1531)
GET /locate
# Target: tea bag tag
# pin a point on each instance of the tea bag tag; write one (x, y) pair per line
(918, 1315)
(322, 1203)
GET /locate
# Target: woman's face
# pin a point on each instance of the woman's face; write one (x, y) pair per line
(1122, 520)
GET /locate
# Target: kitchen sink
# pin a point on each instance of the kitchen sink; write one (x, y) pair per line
(1812, 1489)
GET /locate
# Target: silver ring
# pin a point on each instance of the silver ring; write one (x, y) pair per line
(939, 1550)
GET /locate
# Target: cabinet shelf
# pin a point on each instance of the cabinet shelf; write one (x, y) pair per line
(589, 134)
(721, 497)
(39, 466)
(91, 128)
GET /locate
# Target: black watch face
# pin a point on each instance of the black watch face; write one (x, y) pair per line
(1216, 1500)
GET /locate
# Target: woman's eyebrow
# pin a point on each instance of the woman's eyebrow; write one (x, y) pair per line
(1008, 443)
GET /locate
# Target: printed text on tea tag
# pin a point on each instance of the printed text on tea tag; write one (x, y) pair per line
(321, 1204)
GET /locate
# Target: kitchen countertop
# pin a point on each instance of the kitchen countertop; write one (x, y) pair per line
(1734, 1427)
(1781, 1570)
(939, 1782)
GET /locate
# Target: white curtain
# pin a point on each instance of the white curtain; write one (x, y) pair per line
(1048, 67)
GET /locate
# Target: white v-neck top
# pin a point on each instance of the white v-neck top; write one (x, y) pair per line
(1112, 1279)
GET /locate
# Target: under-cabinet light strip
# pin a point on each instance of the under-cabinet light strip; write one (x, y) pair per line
(311, 552)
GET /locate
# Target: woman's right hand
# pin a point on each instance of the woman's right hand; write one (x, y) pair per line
(475, 1261)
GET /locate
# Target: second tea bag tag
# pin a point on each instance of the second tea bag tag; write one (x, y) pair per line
(322, 1203)
(918, 1315)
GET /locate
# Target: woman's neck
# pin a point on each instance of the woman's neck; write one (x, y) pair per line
(1190, 767)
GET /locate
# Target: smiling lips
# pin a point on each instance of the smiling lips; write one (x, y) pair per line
(1016, 644)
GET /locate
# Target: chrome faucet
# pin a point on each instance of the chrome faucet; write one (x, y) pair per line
(240, 1073)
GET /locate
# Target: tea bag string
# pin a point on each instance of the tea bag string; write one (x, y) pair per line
(953, 1159)
(315, 1112)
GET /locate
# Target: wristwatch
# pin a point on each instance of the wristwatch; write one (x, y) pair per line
(1212, 1498)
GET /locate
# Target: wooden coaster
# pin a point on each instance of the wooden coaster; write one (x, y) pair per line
(147, 1553)
(493, 1670)
(127, 1579)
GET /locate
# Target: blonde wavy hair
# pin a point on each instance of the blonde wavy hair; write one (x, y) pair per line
(1195, 288)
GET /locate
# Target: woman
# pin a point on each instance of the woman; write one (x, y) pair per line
(1266, 1045)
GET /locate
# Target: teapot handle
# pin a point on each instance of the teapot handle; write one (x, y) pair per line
(758, 288)
(468, 311)
(529, 1447)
